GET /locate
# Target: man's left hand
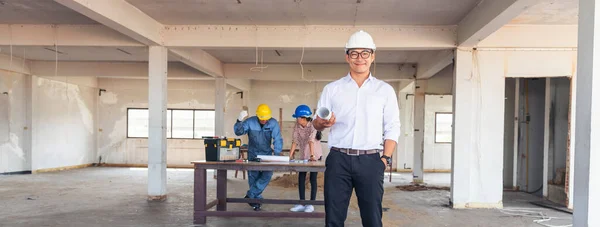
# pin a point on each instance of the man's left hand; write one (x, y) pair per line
(384, 162)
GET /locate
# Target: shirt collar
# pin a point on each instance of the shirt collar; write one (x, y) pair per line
(348, 78)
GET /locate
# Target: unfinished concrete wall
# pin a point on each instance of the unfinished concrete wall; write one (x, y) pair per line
(559, 125)
(437, 155)
(63, 123)
(15, 119)
(405, 150)
(531, 144)
(441, 83)
(509, 116)
(116, 148)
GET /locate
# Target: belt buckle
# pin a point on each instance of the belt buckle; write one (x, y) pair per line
(349, 152)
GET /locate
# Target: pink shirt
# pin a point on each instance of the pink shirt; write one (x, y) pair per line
(301, 136)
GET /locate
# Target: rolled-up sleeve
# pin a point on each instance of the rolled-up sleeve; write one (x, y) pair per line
(391, 116)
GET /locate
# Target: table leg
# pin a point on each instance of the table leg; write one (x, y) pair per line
(222, 189)
(199, 195)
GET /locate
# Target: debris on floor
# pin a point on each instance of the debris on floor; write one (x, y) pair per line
(420, 187)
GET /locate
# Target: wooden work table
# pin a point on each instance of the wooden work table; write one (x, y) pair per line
(201, 207)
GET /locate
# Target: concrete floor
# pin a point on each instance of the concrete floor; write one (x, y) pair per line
(101, 196)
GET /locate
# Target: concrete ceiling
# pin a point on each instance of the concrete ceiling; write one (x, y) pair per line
(550, 12)
(310, 12)
(39, 12)
(243, 55)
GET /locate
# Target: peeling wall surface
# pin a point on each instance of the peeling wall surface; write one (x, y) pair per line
(64, 113)
(114, 147)
(15, 151)
(437, 156)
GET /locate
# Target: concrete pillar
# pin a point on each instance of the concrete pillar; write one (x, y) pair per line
(478, 123)
(157, 135)
(420, 87)
(547, 109)
(587, 142)
(220, 96)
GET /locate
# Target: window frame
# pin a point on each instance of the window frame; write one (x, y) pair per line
(435, 132)
(171, 110)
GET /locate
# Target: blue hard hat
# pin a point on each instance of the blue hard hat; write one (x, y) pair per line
(302, 111)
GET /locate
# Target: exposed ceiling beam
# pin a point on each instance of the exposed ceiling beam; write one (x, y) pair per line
(435, 64)
(199, 60)
(120, 16)
(242, 84)
(142, 28)
(313, 72)
(65, 35)
(487, 17)
(532, 36)
(327, 37)
(15, 64)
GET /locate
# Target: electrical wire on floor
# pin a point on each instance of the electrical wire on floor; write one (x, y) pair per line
(540, 217)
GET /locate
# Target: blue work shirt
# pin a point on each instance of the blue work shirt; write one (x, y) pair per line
(259, 138)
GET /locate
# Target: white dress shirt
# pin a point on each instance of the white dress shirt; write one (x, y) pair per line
(364, 116)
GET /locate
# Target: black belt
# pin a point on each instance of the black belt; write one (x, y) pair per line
(355, 152)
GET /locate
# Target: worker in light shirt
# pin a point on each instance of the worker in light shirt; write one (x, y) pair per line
(307, 139)
(362, 108)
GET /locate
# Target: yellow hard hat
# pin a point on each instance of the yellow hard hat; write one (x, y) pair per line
(263, 112)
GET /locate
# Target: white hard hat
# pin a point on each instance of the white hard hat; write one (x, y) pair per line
(360, 39)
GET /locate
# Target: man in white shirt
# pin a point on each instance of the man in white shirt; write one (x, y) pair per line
(363, 108)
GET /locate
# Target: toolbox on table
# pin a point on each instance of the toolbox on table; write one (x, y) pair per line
(222, 149)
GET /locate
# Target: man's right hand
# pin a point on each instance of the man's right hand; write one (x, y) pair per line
(321, 123)
(243, 115)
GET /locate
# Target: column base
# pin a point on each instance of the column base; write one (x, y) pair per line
(157, 198)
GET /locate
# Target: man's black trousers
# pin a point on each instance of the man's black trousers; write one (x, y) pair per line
(343, 173)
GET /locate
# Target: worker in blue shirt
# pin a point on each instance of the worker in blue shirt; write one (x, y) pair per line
(262, 130)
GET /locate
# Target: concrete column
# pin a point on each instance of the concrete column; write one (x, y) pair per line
(587, 142)
(477, 147)
(420, 87)
(547, 109)
(220, 96)
(157, 135)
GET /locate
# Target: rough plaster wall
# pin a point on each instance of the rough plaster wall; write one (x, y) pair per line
(15, 152)
(64, 111)
(116, 148)
(441, 83)
(405, 149)
(288, 95)
(532, 139)
(559, 124)
(437, 155)
(509, 116)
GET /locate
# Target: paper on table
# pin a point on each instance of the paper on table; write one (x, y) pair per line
(271, 158)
